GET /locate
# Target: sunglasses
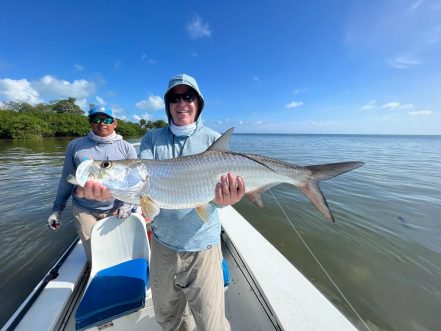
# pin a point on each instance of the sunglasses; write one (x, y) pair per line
(186, 97)
(98, 120)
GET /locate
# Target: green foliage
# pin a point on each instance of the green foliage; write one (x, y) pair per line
(152, 124)
(23, 126)
(128, 129)
(67, 106)
(59, 118)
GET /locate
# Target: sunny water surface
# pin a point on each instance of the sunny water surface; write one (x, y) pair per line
(383, 252)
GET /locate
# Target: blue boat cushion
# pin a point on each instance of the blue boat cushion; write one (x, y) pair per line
(226, 273)
(113, 292)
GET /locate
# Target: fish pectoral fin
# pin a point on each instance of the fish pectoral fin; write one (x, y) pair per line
(204, 212)
(149, 208)
(256, 196)
(72, 180)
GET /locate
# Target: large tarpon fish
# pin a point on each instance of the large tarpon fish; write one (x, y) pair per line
(189, 181)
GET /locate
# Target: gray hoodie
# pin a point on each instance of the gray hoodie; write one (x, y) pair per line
(96, 148)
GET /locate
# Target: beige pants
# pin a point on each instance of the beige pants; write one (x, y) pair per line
(84, 221)
(190, 280)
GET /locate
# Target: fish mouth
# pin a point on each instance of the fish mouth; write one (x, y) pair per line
(82, 173)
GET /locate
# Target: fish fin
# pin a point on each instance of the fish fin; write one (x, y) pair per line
(315, 195)
(256, 196)
(328, 171)
(323, 172)
(149, 208)
(204, 212)
(222, 144)
(72, 179)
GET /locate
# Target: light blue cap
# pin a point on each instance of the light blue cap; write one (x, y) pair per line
(103, 110)
(183, 79)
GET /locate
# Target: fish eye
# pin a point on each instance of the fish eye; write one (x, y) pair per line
(106, 164)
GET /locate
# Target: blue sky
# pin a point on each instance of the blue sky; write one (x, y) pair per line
(270, 66)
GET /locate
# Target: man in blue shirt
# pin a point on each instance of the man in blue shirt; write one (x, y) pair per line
(186, 259)
(186, 264)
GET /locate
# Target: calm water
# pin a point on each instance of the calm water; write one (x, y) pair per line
(383, 252)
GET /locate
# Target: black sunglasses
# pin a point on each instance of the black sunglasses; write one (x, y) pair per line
(98, 120)
(186, 97)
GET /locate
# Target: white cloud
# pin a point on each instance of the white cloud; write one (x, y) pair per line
(391, 105)
(117, 110)
(82, 103)
(197, 28)
(370, 105)
(78, 67)
(294, 104)
(154, 102)
(100, 101)
(396, 105)
(415, 5)
(145, 58)
(19, 90)
(48, 87)
(257, 80)
(300, 90)
(420, 113)
(55, 88)
(404, 62)
(145, 116)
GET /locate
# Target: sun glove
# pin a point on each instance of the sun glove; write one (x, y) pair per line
(125, 211)
(54, 221)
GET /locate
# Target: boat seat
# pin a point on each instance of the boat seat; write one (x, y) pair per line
(113, 292)
(226, 273)
(119, 274)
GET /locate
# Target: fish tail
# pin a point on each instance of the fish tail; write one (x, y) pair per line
(323, 172)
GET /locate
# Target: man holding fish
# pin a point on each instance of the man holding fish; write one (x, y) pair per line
(186, 259)
(102, 142)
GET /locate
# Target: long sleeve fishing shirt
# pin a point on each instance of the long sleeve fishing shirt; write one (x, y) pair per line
(182, 230)
(96, 148)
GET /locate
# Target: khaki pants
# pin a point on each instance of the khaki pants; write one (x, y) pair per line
(84, 221)
(188, 281)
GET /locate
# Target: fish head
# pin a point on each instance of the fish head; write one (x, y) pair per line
(127, 180)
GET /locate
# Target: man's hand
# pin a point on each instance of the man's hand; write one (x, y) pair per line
(94, 191)
(229, 190)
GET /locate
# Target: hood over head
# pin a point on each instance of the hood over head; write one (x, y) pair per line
(183, 79)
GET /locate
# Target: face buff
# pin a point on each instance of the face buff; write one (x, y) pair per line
(183, 131)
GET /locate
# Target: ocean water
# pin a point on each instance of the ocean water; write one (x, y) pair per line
(383, 253)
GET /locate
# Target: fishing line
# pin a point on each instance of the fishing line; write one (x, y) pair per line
(318, 262)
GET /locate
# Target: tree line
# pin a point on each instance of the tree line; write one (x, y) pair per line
(60, 118)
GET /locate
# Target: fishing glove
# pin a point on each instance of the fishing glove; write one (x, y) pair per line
(125, 210)
(54, 221)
